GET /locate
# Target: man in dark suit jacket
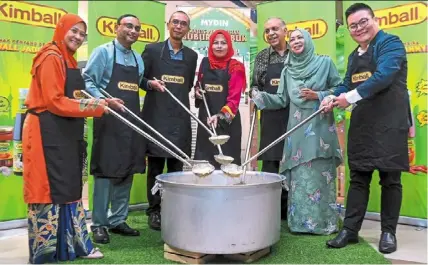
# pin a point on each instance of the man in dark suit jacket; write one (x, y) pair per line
(174, 66)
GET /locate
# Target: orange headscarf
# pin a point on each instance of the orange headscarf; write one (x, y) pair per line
(221, 63)
(64, 25)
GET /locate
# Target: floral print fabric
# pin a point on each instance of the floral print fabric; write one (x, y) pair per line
(57, 232)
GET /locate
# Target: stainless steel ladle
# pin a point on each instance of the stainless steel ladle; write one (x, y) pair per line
(215, 139)
(250, 138)
(191, 161)
(234, 170)
(200, 169)
(220, 158)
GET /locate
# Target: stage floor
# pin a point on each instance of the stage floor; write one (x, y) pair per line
(412, 244)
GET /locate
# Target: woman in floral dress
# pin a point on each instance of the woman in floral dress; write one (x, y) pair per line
(53, 149)
(311, 153)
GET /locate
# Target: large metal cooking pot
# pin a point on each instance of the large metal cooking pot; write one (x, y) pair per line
(218, 214)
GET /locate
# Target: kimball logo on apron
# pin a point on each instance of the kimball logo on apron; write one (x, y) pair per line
(127, 86)
(274, 81)
(173, 79)
(361, 77)
(213, 88)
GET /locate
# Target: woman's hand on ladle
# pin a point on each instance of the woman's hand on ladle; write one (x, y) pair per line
(221, 118)
(213, 120)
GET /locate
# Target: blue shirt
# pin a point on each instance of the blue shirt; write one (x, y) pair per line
(388, 55)
(99, 68)
(175, 56)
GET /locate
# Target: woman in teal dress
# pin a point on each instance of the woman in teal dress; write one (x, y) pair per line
(311, 153)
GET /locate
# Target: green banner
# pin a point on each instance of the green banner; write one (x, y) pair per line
(102, 17)
(25, 27)
(408, 21)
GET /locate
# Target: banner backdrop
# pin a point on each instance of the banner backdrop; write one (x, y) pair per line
(25, 27)
(204, 20)
(102, 17)
(408, 21)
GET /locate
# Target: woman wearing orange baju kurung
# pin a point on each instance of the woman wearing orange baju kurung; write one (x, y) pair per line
(53, 149)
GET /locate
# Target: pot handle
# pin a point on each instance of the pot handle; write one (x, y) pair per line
(157, 187)
(284, 183)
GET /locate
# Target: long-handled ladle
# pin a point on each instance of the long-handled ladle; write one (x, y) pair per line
(250, 138)
(234, 170)
(215, 139)
(156, 132)
(201, 170)
(220, 158)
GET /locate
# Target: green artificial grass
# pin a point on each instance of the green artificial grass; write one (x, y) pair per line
(294, 249)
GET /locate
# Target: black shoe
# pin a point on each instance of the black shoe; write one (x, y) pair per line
(387, 243)
(124, 230)
(344, 238)
(155, 221)
(100, 235)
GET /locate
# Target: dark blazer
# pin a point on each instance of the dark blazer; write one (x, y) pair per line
(153, 50)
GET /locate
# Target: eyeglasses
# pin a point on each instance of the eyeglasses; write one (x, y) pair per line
(131, 26)
(362, 23)
(182, 23)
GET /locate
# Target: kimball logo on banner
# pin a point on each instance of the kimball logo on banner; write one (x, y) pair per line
(317, 28)
(402, 15)
(148, 33)
(30, 14)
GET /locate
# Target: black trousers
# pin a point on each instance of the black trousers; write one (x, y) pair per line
(273, 167)
(155, 168)
(358, 197)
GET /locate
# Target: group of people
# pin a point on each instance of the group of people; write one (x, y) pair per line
(290, 83)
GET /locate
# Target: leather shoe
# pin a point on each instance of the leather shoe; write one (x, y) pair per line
(155, 221)
(387, 243)
(100, 235)
(344, 238)
(124, 230)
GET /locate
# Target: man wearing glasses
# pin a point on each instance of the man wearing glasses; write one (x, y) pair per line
(268, 66)
(173, 65)
(116, 153)
(376, 84)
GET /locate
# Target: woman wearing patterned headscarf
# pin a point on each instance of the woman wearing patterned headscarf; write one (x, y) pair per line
(53, 149)
(223, 80)
(312, 153)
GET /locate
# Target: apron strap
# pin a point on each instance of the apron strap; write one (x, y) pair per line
(32, 111)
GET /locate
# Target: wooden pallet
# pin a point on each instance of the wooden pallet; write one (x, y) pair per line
(249, 256)
(182, 256)
(186, 257)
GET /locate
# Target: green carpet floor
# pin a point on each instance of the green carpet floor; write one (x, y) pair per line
(294, 249)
